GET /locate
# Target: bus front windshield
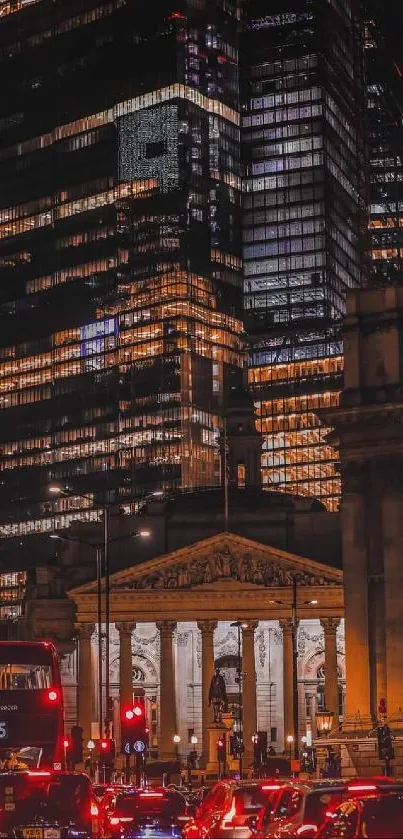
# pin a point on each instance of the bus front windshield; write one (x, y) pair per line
(25, 676)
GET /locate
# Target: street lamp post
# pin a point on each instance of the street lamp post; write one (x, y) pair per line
(91, 747)
(56, 489)
(98, 548)
(290, 741)
(176, 739)
(324, 723)
(294, 631)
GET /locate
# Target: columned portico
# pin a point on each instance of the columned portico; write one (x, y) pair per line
(206, 587)
(207, 629)
(167, 690)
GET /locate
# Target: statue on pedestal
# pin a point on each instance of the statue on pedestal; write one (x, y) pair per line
(218, 695)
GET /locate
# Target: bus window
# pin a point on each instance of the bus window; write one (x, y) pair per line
(25, 676)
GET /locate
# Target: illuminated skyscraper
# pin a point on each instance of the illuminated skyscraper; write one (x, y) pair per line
(120, 252)
(303, 222)
(384, 74)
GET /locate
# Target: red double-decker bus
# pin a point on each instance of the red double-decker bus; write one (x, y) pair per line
(31, 706)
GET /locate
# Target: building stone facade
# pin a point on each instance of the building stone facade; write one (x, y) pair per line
(171, 624)
(368, 431)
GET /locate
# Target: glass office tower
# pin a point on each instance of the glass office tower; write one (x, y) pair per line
(120, 255)
(303, 223)
(384, 75)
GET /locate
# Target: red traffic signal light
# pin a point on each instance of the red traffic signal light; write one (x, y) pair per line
(133, 724)
(107, 749)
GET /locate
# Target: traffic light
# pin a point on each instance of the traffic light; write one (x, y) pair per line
(133, 727)
(76, 745)
(107, 750)
(385, 745)
(221, 752)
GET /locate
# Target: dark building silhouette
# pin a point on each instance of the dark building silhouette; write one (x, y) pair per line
(120, 253)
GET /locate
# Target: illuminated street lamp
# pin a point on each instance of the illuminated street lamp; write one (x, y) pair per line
(176, 738)
(290, 741)
(193, 740)
(65, 491)
(324, 721)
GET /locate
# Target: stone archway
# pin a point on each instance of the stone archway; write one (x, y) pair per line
(143, 671)
(311, 679)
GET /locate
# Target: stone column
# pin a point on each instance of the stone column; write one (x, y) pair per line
(85, 687)
(286, 626)
(207, 633)
(355, 572)
(331, 672)
(167, 691)
(392, 528)
(125, 663)
(249, 690)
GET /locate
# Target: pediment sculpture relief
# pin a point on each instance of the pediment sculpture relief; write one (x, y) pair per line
(243, 568)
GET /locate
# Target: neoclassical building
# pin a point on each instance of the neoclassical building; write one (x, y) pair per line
(170, 625)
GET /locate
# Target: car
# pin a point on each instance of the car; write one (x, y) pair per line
(106, 798)
(41, 804)
(378, 817)
(299, 808)
(140, 814)
(100, 790)
(229, 809)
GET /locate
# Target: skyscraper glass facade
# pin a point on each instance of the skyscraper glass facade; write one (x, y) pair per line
(384, 77)
(303, 224)
(120, 254)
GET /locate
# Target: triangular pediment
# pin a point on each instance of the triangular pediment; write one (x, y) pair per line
(222, 561)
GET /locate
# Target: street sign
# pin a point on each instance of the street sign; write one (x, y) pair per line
(139, 746)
